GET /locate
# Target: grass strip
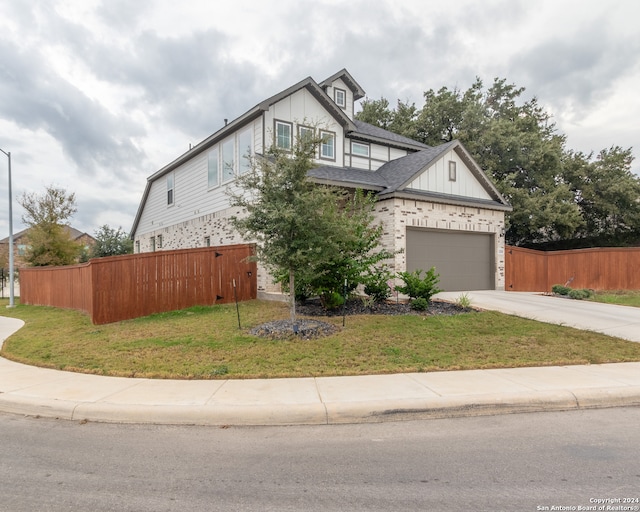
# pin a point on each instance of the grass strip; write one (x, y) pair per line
(205, 343)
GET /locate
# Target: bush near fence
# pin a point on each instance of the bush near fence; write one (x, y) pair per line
(603, 268)
(123, 287)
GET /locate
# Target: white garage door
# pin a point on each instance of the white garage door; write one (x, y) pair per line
(465, 261)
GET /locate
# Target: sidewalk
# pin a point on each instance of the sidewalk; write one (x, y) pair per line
(319, 401)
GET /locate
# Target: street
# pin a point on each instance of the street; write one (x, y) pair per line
(514, 462)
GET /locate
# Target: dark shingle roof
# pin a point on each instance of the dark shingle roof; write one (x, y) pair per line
(394, 177)
(345, 176)
(397, 172)
(368, 131)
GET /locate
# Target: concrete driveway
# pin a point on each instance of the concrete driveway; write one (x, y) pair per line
(620, 321)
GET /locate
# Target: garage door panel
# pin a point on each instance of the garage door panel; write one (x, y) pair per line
(465, 261)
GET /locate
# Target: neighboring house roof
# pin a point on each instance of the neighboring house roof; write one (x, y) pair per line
(393, 178)
(74, 233)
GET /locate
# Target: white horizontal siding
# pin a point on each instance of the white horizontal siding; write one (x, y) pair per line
(192, 197)
(436, 179)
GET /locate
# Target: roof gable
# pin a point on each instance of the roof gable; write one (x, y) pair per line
(399, 178)
(345, 76)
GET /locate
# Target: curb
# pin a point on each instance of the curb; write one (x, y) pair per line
(332, 413)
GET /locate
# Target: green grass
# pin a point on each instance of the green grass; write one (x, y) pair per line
(205, 343)
(623, 298)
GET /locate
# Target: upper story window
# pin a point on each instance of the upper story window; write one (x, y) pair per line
(245, 150)
(452, 171)
(305, 133)
(213, 176)
(328, 145)
(359, 149)
(340, 97)
(283, 135)
(170, 189)
(228, 159)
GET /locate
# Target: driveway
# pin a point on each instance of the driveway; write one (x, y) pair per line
(620, 321)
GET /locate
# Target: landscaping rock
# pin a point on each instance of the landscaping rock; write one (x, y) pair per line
(306, 328)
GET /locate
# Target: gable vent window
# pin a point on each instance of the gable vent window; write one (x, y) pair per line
(452, 171)
(170, 189)
(340, 97)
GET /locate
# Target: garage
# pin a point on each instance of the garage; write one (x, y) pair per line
(465, 261)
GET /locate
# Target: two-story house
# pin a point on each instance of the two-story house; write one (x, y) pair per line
(438, 208)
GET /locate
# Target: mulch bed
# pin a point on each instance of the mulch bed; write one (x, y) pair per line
(310, 328)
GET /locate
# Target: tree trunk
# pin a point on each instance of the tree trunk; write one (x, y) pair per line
(292, 298)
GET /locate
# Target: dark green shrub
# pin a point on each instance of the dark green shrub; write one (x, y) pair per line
(560, 289)
(331, 300)
(376, 283)
(580, 294)
(420, 304)
(416, 286)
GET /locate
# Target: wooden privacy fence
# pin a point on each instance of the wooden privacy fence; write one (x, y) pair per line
(606, 268)
(123, 287)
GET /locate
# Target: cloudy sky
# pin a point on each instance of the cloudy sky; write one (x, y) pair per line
(96, 95)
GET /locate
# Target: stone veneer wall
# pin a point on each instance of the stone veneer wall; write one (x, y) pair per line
(398, 214)
(395, 215)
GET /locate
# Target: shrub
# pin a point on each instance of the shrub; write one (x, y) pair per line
(331, 300)
(580, 294)
(420, 304)
(416, 286)
(560, 289)
(376, 283)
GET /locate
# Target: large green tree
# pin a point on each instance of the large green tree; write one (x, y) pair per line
(111, 242)
(46, 215)
(556, 195)
(301, 227)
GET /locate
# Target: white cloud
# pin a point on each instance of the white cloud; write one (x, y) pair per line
(97, 95)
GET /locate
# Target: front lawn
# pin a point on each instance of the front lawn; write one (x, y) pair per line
(206, 343)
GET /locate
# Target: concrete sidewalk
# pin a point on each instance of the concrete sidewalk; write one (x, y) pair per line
(316, 401)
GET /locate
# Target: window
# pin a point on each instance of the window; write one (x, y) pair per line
(283, 135)
(137, 246)
(340, 97)
(452, 171)
(305, 133)
(153, 244)
(159, 241)
(328, 145)
(228, 159)
(170, 189)
(213, 176)
(359, 149)
(207, 241)
(245, 150)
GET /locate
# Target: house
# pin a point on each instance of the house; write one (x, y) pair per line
(21, 244)
(438, 208)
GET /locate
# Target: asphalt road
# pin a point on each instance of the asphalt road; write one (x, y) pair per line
(514, 462)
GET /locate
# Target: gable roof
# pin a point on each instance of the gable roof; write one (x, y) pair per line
(345, 76)
(393, 178)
